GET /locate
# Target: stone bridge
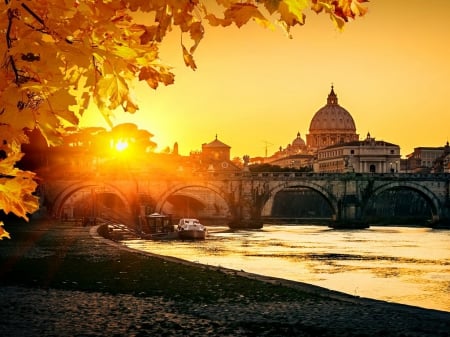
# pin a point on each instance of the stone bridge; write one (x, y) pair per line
(243, 199)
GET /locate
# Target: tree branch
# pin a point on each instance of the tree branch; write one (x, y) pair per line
(15, 70)
(33, 14)
(11, 16)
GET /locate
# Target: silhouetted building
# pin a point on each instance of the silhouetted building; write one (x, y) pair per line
(215, 156)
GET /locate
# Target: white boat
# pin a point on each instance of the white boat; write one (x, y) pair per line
(192, 229)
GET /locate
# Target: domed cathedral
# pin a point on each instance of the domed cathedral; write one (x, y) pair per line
(294, 155)
(331, 125)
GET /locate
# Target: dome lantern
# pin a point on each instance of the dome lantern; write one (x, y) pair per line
(332, 98)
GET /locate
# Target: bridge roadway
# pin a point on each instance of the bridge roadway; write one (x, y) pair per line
(244, 198)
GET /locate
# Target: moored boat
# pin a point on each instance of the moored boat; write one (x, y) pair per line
(191, 229)
(157, 227)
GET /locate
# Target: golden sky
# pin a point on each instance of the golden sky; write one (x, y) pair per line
(256, 88)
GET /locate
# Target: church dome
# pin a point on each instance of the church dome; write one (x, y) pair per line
(332, 117)
(298, 141)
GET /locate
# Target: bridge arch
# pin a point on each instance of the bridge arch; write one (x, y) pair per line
(431, 198)
(217, 191)
(328, 197)
(89, 186)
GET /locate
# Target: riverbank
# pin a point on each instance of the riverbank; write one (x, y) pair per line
(59, 280)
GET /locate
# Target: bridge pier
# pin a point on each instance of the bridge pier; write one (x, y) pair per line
(349, 206)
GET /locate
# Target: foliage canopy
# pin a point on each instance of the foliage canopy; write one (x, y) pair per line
(59, 56)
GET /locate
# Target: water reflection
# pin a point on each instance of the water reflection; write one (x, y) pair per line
(399, 264)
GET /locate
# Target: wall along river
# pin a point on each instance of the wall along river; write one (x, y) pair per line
(409, 265)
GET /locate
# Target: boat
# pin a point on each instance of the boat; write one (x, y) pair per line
(191, 229)
(157, 227)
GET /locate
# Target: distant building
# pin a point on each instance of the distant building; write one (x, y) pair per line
(215, 156)
(423, 159)
(332, 145)
(294, 155)
(366, 156)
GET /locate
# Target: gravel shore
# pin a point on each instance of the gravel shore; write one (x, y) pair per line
(63, 280)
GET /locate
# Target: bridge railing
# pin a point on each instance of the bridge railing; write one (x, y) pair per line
(321, 176)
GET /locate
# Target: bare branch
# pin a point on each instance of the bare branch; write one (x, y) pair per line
(33, 14)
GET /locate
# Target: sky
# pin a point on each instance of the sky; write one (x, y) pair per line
(255, 88)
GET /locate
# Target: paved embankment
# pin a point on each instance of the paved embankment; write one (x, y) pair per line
(59, 280)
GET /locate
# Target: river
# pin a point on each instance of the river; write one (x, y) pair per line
(409, 265)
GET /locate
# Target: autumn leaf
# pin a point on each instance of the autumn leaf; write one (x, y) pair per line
(357, 8)
(340, 11)
(155, 75)
(272, 5)
(291, 13)
(241, 13)
(188, 58)
(294, 13)
(196, 32)
(16, 188)
(3, 233)
(14, 138)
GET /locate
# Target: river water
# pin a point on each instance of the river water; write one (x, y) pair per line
(409, 265)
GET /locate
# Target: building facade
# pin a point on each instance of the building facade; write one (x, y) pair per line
(424, 159)
(366, 156)
(295, 155)
(215, 156)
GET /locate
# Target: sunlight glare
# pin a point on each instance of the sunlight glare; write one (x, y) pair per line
(121, 145)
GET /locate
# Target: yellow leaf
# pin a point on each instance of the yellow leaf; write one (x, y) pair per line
(50, 127)
(241, 13)
(291, 11)
(153, 75)
(16, 188)
(3, 233)
(129, 105)
(14, 138)
(188, 58)
(357, 8)
(113, 89)
(16, 195)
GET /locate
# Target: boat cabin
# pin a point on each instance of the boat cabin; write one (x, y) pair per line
(156, 223)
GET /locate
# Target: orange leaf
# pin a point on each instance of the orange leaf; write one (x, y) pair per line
(188, 59)
(241, 13)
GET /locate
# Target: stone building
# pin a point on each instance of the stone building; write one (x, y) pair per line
(332, 145)
(331, 125)
(366, 156)
(215, 156)
(423, 159)
(295, 155)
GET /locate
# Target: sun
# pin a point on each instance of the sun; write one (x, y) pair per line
(121, 145)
